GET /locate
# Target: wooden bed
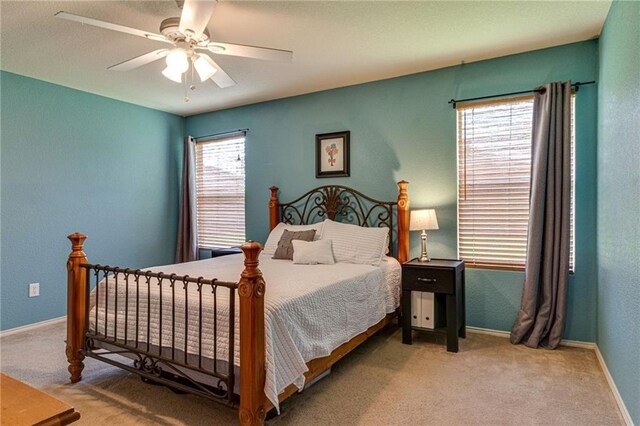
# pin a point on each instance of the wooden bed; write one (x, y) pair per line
(331, 201)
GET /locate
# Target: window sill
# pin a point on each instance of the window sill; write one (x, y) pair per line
(513, 268)
(502, 268)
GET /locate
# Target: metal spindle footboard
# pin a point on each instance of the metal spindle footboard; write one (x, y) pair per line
(130, 334)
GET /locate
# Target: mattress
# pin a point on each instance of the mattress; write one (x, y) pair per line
(309, 311)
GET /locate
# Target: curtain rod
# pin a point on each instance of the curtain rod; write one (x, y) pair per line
(221, 134)
(454, 102)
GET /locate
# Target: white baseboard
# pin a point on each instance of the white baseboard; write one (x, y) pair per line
(576, 344)
(488, 331)
(33, 326)
(500, 333)
(623, 408)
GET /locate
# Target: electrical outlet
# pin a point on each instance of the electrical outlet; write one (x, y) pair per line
(34, 289)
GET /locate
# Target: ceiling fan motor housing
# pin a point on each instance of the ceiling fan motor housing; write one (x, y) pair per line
(170, 28)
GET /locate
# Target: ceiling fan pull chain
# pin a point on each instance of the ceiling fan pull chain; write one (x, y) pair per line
(189, 83)
(186, 98)
(193, 86)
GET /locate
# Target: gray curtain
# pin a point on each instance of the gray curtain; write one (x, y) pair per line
(541, 319)
(187, 246)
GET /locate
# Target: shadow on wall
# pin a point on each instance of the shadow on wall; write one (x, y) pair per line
(373, 168)
(374, 162)
(439, 241)
(493, 297)
(374, 147)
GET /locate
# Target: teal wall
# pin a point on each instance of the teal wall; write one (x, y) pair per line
(403, 128)
(73, 161)
(618, 334)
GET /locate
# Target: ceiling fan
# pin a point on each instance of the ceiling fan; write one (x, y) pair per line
(191, 45)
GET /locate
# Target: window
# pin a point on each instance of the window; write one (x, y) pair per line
(494, 173)
(220, 191)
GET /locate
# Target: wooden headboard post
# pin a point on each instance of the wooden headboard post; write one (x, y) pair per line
(76, 306)
(273, 208)
(251, 290)
(403, 222)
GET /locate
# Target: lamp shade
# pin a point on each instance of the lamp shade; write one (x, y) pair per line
(178, 60)
(172, 74)
(423, 219)
(205, 67)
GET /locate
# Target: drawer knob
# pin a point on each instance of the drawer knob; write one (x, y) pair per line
(427, 280)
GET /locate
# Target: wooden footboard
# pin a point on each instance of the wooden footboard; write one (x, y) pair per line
(252, 346)
(76, 306)
(81, 341)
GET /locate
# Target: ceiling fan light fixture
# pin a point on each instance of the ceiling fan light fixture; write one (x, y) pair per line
(205, 67)
(178, 60)
(173, 74)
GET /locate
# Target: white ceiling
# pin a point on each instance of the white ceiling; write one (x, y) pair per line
(335, 43)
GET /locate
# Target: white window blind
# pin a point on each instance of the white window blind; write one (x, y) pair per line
(220, 189)
(494, 173)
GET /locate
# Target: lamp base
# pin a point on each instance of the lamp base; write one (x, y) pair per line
(424, 257)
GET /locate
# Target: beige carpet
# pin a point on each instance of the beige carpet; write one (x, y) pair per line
(383, 382)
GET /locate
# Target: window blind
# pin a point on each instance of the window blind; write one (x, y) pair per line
(220, 191)
(494, 173)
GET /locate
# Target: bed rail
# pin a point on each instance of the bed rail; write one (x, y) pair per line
(99, 335)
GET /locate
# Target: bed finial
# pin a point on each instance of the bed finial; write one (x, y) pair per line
(252, 340)
(403, 222)
(273, 208)
(76, 299)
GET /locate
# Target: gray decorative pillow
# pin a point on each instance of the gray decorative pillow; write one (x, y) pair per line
(285, 248)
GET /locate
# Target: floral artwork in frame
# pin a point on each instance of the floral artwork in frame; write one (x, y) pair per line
(332, 154)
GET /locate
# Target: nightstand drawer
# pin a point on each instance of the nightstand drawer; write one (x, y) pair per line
(431, 279)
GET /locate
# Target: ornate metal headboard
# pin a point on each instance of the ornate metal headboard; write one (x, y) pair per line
(344, 204)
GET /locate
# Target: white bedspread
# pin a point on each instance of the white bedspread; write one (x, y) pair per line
(309, 310)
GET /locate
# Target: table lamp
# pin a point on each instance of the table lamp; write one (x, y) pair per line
(421, 220)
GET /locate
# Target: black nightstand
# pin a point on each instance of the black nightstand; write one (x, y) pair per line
(445, 279)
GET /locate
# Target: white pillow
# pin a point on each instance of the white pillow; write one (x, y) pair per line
(356, 244)
(312, 252)
(272, 241)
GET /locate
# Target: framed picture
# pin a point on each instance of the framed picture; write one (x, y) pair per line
(332, 154)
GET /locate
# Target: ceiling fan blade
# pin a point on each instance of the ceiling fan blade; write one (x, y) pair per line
(110, 26)
(255, 52)
(196, 14)
(221, 78)
(139, 61)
